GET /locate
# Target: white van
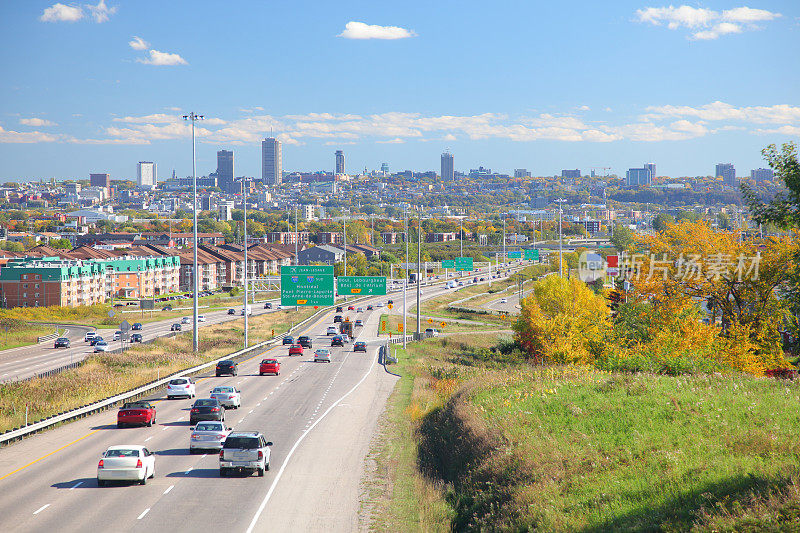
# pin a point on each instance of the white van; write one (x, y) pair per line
(451, 284)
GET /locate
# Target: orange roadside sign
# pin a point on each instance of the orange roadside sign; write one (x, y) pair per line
(399, 327)
(442, 324)
(383, 325)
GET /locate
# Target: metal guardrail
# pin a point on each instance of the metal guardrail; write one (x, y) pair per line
(50, 337)
(80, 412)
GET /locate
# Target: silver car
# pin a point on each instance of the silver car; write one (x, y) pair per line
(244, 452)
(228, 396)
(208, 436)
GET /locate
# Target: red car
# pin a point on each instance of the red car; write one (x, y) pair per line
(351, 308)
(269, 366)
(296, 349)
(136, 413)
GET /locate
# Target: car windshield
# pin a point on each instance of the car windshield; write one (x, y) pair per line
(245, 443)
(206, 426)
(122, 453)
(225, 363)
(223, 389)
(63, 339)
(137, 405)
(178, 382)
(205, 403)
(269, 361)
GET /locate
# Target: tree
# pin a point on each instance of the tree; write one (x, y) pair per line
(61, 244)
(359, 263)
(784, 209)
(622, 238)
(661, 221)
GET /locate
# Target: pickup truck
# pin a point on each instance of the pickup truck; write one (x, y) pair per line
(136, 413)
(244, 452)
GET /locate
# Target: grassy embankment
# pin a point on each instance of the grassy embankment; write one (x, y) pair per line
(104, 375)
(477, 441)
(97, 315)
(15, 333)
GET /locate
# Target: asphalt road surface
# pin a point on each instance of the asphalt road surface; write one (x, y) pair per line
(26, 361)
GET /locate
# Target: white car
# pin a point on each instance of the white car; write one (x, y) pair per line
(101, 346)
(201, 318)
(322, 354)
(186, 320)
(208, 435)
(503, 300)
(180, 387)
(116, 336)
(332, 330)
(126, 462)
(89, 336)
(228, 396)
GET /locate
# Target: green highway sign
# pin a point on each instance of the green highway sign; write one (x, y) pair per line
(532, 254)
(448, 263)
(361, 285)
(517, 254)
(307, 285)
(464, 264)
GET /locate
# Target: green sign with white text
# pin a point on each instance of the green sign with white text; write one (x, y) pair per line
(516, 254)
(464, 264)
(532, 254)
(448, 263)
(361, 285)
(307, 285)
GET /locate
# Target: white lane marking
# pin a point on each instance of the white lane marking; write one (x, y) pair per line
(190, 469)
(168, 489)
(42, 508)
(297, 443)
(76, 485)
(251, 410)
(204, 455)
(165, 428)
(147, 439)
(143, 513)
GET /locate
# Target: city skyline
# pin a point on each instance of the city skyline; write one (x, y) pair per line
(101, 92)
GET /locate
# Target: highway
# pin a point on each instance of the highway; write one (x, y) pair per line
(321, 418)
(26, 361)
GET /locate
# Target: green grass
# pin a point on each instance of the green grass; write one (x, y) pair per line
(22, 334)
(516, 447)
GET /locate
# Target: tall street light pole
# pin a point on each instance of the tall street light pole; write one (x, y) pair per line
(419, 263)
(246, 323)
(405, 277)
(560, 247)
(195, 331)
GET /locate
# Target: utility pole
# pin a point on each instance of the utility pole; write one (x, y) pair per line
(560, 247)
(419, 260)
(195, 330)
(504, 240)
(405, 277)
(344, 225)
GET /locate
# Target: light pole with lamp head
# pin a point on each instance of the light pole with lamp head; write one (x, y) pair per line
(560, 247)
(246, 311)
(195, 330)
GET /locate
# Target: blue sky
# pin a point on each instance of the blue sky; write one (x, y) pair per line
(507, 84)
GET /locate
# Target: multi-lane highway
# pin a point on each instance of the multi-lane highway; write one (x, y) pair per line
(321, 418)
(26, 361)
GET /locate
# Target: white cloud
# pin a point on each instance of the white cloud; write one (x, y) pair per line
(138, 43)
(705, 24)
(101, 12)
(163, 59)
(719, 111)
(174, 108)
(396, 140)
(36, 122)
(584, 108)
(783, 130)
(25, 137)
(359, 30)
(62, 13)
(158, 118)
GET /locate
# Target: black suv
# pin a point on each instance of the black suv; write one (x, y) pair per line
(227, 367)
(268, 305)
(137, 326)
(339, 309)
(304, 341)
(288, 340)
(337, 341)
(206, 409)
(61, 342)
(337, 318)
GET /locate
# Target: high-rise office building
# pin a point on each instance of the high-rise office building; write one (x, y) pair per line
(727, 172)
(652, 168)
(146, 174)
(225, 171)
(762, 174)
(339, 162)
(637, 177)
(101, 180)
(447, 167)
(572, 174)
(271, 162)
(385, 168)
(521, 173)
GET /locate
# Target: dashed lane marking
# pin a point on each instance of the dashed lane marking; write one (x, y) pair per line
(76, 485)
(143, 513)
(168, 489)
(48, 455)
(42, 508)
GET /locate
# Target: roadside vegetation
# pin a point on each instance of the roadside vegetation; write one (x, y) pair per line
(479, 438)
(104, 375)
(15, 333)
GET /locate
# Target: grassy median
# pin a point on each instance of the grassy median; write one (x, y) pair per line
(508, 446)
(104, 375)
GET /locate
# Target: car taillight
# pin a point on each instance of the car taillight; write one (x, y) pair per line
(139, 463)
(214, 409)
(100, 464)
(220, 437)
(260, 454)
(221, 454)
(195, 410)
(230, 397)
